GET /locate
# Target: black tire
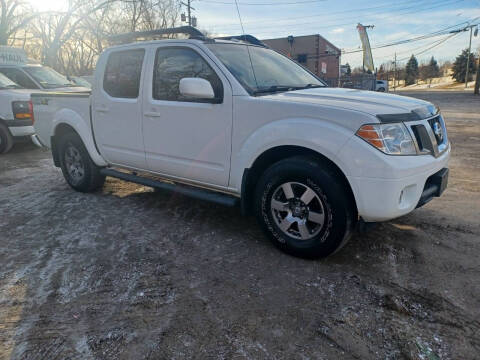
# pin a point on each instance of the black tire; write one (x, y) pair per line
(330, 198)
(82, 175)
(382, 89)
(6, 139)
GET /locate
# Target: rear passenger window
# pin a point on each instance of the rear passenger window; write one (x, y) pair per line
(122, 73)
(174, 64)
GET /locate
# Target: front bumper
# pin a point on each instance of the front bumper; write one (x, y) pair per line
(412, 183)
(434, 186)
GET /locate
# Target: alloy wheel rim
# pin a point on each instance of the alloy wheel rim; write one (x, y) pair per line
(74, 164)
(297, 210)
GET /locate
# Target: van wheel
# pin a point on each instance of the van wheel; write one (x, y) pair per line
(6, 139)
(78, 168)
(303, 208)
(382, 89)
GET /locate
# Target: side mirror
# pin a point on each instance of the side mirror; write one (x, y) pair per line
(196, 88)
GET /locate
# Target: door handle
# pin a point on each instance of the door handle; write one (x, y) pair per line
(103, 109)
(152, 114)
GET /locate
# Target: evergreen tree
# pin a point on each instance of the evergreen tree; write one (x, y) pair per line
(460, 66)
(434, 69)
(430, 70)
(349, 69)
(411, 71)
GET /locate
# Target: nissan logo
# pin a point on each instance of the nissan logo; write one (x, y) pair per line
(437, 129)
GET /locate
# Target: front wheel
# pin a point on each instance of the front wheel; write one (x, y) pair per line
(78, 168)
(304, 207)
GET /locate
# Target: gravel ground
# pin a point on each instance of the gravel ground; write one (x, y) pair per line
(129, 273)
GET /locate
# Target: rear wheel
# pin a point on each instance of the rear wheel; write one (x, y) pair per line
(6, 139)
(78, 168)
(304, 208)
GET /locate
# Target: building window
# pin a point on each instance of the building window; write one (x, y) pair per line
(302, 58)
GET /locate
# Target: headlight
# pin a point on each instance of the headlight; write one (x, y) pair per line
(392, 139)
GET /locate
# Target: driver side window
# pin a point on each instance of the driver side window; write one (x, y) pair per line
(174, 64)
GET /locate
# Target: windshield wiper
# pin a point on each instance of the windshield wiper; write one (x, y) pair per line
(309, 86)
(275, 88)
(12, 86)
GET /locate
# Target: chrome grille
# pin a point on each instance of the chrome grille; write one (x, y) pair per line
(430, 135)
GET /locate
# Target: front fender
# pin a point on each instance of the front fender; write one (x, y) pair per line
(83, 129)
(325, 138)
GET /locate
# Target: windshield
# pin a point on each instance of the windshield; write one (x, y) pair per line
(267, 72)
(47, 77)
(80, 82)
(6, 83)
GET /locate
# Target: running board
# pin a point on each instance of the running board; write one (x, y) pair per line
(194, 192)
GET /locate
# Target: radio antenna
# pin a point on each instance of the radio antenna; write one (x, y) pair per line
(239, 17)
(244, 39)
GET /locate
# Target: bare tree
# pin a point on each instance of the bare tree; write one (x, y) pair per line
(57, 28)
(15, 15)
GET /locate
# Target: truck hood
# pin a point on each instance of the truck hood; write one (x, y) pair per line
(373, 103)
(69, 89)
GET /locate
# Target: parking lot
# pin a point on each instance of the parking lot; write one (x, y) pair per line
(129, 273)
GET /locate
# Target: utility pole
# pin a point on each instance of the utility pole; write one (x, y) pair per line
(469, 46)
(192, 21)
(468, 56)
(476, 89)
(394, 71)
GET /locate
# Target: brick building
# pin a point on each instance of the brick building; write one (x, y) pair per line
(314, 52)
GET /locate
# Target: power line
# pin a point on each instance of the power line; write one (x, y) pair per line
(414, 9)
(438, 43)
(418, 38)
(367, 19)
(328, 14)
(264, 4)
(405, 41)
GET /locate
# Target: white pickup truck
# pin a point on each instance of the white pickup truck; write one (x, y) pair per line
(15, 113)
(234, 121)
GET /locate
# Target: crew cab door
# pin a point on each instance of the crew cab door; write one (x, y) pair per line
(186, 138)
(117, 108)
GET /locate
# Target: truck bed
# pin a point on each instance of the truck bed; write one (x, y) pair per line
(51, 108)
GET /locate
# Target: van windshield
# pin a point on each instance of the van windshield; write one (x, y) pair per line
(6, 83)
(267, 72)
(47, 77)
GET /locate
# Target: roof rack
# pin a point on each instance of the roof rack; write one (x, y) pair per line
(188, 30)
(245, 38)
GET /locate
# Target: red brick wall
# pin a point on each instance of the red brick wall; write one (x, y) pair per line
(316, 48)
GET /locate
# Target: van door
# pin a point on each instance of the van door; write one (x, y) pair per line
(117, 109)
(187, 138)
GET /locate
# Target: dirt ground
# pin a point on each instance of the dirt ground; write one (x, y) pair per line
(134, 274)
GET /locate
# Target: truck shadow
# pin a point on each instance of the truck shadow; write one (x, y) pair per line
(226, 222)
(22, 146)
